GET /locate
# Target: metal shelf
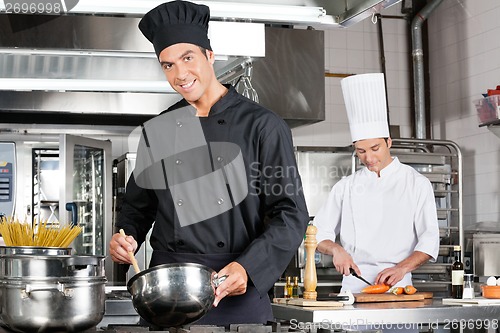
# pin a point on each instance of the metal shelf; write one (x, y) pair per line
(433, 268)
(45, 207)
(495, 128)
(445, 192)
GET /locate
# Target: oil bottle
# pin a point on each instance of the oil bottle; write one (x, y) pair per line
(295, 287)
(288, 287)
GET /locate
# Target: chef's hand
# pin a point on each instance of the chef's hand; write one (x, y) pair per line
(390, 276)
(235, 283)
(119, 247)
(343, 262)
(393, 275)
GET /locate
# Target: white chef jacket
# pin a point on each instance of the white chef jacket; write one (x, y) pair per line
(381, 220)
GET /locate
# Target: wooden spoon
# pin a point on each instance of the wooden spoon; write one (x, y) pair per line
(131, 255)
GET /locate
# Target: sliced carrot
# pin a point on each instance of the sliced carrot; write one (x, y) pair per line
(410, 290)
(376, 289)
(396, 290)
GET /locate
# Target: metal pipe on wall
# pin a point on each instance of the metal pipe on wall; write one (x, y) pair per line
(380, 32)
(382, 61)
(418, 67)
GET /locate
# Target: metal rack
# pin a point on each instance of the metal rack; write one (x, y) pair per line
(88, 197)
(87, 181)
(45, 186)
(441, 162)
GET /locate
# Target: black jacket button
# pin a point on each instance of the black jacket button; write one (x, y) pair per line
(220, 244)
(180, 242)
(221, 121)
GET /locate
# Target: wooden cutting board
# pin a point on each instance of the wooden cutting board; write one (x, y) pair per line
(389, 297)
(359, 298)
(306, 302)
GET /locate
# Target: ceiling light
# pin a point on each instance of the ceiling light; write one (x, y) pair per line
(93, 53)
(28, 84)
(218, 10)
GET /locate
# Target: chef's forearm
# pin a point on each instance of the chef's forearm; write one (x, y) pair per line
(328, 247)
(414, 261)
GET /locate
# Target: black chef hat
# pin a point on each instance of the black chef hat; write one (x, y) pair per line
(176, 22)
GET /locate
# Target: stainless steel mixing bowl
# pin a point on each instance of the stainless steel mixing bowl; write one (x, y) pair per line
(174, 294)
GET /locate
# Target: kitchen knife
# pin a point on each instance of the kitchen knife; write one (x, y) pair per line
(332, 297)
(353, 272)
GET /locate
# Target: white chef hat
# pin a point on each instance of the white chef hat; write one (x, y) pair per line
(364, 97)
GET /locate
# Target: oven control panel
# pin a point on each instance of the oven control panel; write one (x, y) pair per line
(7, 178)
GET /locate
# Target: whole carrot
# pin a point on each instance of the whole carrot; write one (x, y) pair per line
(410, 290)
(376, 289)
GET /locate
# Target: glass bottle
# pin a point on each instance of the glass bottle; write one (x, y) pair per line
(288, 287)
(457, 274)
(468, 286)
(295, 288)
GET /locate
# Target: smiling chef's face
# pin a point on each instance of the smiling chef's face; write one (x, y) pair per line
(188, 70)
(374, 153)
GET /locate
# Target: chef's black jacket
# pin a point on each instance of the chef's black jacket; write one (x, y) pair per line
(262, 232)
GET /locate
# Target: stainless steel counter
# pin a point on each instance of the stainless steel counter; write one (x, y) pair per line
(428, 313)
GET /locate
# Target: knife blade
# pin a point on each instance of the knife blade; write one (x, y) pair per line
(353, 272)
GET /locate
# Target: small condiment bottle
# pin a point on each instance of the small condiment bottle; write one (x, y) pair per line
(295, 288)
(288, 287)
(468, 286)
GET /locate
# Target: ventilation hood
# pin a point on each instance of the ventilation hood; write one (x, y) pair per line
(94, 60)
(89, 64)
(317, 13)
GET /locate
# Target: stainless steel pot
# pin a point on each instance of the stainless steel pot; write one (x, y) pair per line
(52, 304)
(174, 294)
(28, 250)
(14, 265)
(35, 250)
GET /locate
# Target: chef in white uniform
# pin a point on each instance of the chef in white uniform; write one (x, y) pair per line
(385, 213)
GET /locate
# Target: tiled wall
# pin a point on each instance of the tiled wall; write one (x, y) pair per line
(464, 63)
(464, 54)
(355, 50)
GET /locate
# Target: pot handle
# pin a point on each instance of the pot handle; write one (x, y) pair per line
(218, 280)
(29, 289)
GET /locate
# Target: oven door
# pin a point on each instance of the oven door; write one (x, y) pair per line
(86, 194)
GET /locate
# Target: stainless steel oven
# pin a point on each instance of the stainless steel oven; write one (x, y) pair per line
(485, 254)
(64, 179)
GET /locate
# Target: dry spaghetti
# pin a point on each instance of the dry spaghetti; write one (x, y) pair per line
(16, 233)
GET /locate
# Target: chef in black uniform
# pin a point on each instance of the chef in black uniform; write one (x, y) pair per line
(215, 173)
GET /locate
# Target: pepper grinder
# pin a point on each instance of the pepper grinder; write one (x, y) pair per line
(310, 278)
